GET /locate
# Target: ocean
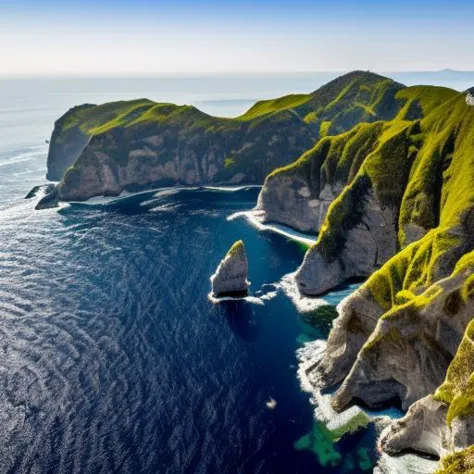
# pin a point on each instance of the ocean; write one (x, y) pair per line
(112, 357)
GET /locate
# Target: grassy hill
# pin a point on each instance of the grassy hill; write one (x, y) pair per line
(245, 149)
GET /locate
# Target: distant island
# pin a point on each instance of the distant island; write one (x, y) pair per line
(384, 173)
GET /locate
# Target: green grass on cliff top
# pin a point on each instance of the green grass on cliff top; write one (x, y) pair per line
(237, 246)
(362, 89)
(428, 98)
(337, 106)
(104, 117)
(269, 106)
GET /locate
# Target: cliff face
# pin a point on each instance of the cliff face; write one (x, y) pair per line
(406, 218)
(66, 144)
(181, 146)
(104, 150)
(404, 187)
(442, 423)
(300, 194)
(437, 191)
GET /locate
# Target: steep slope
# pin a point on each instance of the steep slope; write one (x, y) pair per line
(72, 132)
(400, 333)
(442, 423)
(299, 195)
(417, 178)
(133, 145)
(439, 191)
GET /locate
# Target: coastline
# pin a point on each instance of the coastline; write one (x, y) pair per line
(254, 217)
(156, 192)
(354, 418)
(339, 424)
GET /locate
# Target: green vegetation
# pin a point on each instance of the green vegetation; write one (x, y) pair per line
(100, 118)
(264, 107)
(354, 92)
(336, 158)
(461, 462)
(343, 215)
(458, 389)
(324, 128)
(426, 98)
(237, 247)
(270, 134)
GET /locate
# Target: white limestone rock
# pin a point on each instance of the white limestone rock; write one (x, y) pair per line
(231, 274)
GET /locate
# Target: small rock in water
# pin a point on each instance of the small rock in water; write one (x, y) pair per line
(49, 201)
(231, 274)
(45, 188)
(271, 403)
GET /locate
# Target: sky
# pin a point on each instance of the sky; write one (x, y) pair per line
(144, 37)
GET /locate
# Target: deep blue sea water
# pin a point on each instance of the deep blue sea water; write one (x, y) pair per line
(112, 357)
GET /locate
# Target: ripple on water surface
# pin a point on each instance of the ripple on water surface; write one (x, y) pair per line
(113, 359)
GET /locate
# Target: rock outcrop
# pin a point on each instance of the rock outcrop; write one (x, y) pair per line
(470, 97)
(441, 423)
(49, 201)
(41, 189)
(231, 275)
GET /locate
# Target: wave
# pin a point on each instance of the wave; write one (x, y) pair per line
(254, 218)
(232, 189)
(267, 292)
(303, 304)
(157, 193)
(22, 157)
(355, 417)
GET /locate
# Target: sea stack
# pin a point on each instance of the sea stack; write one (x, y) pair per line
(231, 275)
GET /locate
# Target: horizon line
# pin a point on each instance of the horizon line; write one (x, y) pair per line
(143, 75)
